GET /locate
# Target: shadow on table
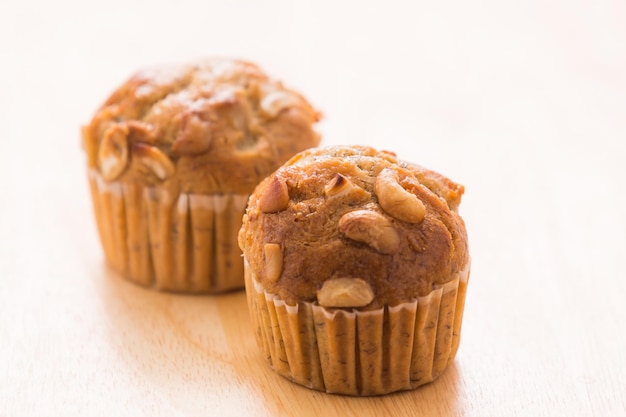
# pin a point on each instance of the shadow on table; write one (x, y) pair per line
(197, 354)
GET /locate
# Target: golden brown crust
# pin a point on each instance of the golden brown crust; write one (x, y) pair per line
(334, 226)
(219, 125)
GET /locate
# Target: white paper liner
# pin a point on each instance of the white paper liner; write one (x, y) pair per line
(360, 352)
(182, 243)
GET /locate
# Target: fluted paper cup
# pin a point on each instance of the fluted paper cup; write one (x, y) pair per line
(357, 352)
(171, 241)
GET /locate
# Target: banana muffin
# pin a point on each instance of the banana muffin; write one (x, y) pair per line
(356, 269)
(173, 155)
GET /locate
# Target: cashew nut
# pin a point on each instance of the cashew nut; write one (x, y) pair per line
(341, 186)
(154, 160)
(397, 201)
(345, 292)
(276, 196)
(273, 261)
(371, 228)
(113, 152)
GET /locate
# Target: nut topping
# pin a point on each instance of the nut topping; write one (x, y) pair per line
(397, 201)
(273, 261)
(341, 186)
(345, 292)
(276, 196)
(370, 228)
(277, 101)
(154, 160)
(113, 152)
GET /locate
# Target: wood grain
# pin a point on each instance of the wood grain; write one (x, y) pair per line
(522, 102)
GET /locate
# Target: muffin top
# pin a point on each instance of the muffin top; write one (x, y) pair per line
(350, 226)
(218, 125)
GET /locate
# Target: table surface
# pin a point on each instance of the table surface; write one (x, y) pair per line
(522, 102)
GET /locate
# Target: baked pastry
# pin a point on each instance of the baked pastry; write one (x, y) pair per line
(173, 156)
(356, 270)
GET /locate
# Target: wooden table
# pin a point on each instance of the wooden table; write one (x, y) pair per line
(523, 103)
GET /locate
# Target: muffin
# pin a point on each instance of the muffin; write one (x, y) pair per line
(173, 155)
(356, 267)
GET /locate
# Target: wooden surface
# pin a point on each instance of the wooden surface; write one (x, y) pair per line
(523, 102)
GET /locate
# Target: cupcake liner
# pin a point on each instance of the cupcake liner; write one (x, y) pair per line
(177, 242)
(360, 352)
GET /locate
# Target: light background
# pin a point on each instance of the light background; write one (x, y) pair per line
(523, 102)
